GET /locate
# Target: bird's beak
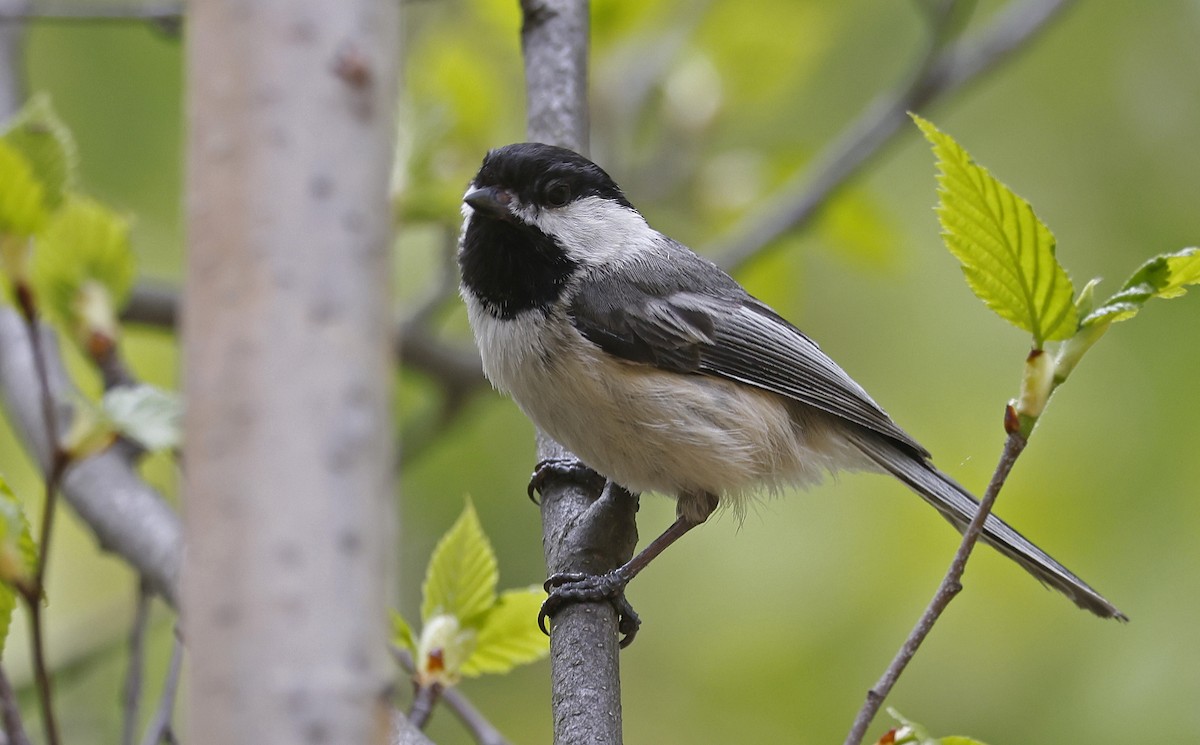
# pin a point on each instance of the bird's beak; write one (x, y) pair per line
(490, 200)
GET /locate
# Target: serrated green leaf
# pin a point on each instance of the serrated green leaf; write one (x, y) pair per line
(509, 635)
(402, 635)
(46, 142)
(83, 267)
(147, 415)
(1165, 276)
(462, 575)
(18, 555)
(23, 209)
(1007, 253)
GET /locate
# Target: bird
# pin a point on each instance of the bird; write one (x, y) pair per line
(663, 374)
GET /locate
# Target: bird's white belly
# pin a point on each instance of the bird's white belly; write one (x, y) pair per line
(649, 429)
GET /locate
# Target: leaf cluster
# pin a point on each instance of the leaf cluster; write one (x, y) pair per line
(73, 251)
(69, 258)
(1008, 258)
(468, 628)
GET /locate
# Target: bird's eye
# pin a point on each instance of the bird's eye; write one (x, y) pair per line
(557, 193)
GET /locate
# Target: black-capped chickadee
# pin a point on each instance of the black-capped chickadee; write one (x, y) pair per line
(661, 372)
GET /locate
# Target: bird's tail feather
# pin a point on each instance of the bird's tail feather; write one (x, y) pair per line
(958, 506)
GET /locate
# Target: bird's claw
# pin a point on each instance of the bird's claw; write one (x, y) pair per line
(566, 588)
(563, 467)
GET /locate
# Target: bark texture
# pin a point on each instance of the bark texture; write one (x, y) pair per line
(584, 651)
(287, 340)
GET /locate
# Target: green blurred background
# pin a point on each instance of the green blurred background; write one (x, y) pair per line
(771, 631)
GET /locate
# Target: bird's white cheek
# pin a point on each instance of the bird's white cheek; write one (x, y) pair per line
(592, 230)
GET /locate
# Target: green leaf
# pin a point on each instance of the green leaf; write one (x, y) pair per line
(46, 142)
(148, 415)
(957, 740)
(462, 575)
(1007, 253)
(18, 555)
(22, 196)
(509, 635)
(83, 267)
(1165, 276)
(91, 430)
(402, 635)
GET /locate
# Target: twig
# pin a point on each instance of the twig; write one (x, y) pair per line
(162, 11)
(126, 515)
(132, 693)
(10, 713)
(423, 702)
(950, 586)
(159, 729)
(457, 369)
(482, 731)
(943, 70)
(59, 460)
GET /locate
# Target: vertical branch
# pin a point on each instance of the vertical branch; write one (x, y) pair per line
(554, 39)
(585, 670)
(34, 592)
(286, 328)
(131, 696)
(159, 729)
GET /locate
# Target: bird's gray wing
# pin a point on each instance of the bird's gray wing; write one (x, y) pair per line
(722, 331)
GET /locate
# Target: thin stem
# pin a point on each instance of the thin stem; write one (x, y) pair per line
(950, 586)
(10, 713)
(46, 10)
(132, 694)
(482, 731)
(59, 460)
(423, 702)
(159, 729)
(41, 668)
(943, 69)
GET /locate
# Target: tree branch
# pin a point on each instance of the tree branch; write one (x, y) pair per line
(131, 697)
(943, 70)
(950, 586)
(482, 730)
(160, 724)
(127, 516)
(157, 11)
(457, 369)
(584, 651)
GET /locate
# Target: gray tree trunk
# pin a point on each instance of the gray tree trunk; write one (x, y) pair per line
(288, 490)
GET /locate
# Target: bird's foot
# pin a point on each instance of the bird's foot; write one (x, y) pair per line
(569, 468)
(566, 588)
